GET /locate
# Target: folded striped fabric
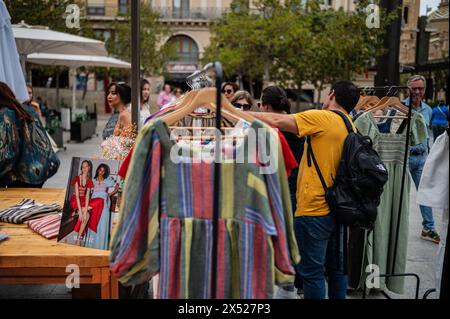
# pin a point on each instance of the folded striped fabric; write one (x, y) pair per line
(3, 236)
(27, 209)
(47, 226)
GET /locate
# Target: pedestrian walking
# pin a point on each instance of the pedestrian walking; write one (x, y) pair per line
(165, 96)
(418, 153)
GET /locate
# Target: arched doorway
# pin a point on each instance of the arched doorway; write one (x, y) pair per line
(186, 61)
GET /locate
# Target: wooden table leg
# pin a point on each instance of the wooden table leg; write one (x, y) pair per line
(105, 284)
(114, 287)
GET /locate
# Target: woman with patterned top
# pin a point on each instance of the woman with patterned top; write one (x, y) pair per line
(118, 145)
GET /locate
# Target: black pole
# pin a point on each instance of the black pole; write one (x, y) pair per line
(216, 201)
(405, 167)
(388, 65)
(135, 62)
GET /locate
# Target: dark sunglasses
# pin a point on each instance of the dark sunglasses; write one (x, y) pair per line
(242, 106)
(228, 91)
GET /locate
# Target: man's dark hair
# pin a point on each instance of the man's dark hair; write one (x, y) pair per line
(347, 94)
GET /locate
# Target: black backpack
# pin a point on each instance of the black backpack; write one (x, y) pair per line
(355, 194)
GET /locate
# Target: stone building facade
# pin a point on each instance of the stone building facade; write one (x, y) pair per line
(190, 21)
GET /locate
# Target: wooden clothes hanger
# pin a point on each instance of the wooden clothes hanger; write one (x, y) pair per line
(390, 102)
(187, 98)
(205, 97)
(366, 101)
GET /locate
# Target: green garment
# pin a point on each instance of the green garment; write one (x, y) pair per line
(380, 243)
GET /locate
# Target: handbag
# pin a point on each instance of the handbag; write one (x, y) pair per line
(37, 160)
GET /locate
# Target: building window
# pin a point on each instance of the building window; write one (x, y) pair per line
(329, 2)
(405, 16)
(102, 35)
(96, 7)
(180, 9)
(186, 48)
(240, 6)
(123, 6)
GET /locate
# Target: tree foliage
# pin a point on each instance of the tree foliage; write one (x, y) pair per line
(154, 55)
(50, 13)
(293, 42)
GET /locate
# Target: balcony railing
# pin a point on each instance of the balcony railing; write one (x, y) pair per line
(95, 11)
(187, 57)
(204, 14)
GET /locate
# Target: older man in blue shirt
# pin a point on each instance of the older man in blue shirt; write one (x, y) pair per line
(418, 153)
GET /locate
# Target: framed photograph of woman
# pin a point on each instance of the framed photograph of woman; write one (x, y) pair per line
(91, 193)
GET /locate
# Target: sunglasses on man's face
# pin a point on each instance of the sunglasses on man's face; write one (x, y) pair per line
(228, 91)
(244, 107)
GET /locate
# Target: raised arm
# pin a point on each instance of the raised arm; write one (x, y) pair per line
(284, 122)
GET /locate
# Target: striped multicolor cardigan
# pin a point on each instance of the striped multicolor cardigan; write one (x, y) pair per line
(165, 224)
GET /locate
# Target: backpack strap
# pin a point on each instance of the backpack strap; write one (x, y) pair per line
(310, 155)
(339, 239)
(346, 121)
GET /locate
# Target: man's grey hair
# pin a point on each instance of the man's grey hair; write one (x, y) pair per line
(417, 78)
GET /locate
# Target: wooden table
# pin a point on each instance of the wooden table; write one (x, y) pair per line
(28, 258)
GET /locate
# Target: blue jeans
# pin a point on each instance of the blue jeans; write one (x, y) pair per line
(416, 163)
(317, 243)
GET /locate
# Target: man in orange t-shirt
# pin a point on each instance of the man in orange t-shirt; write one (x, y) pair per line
(315, 227)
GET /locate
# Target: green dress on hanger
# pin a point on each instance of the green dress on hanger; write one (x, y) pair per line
(380, 243)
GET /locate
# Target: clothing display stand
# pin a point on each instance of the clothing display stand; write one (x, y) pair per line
(405, 167)
(444, 289)
(198, 80)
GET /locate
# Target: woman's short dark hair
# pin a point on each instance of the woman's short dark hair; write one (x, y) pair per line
(122, 89)
(232, 84)
(105, 167)
(143, 83)
(90, 167)
(239, 95)
(276, 97)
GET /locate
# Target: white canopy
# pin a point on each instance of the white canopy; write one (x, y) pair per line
(30, 39)
(75, 61)
(10, 70)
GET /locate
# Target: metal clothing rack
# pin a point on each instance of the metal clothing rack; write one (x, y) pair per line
(197, 80)
(393, 90)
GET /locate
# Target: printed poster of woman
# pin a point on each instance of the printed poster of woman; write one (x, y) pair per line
(92, 188)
